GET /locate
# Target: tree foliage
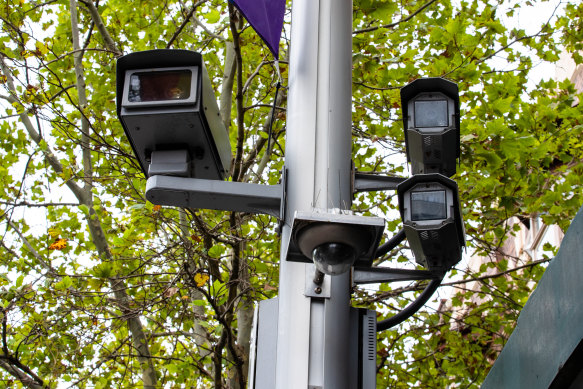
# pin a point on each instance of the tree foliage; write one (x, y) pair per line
(101, 289)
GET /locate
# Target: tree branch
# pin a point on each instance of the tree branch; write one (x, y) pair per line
(12, 364)
(184, 23)
(236, 169)
(94, 12)
(418, 286)
(391, 25)
(499, 274)
(52, 160)
(82, 96)
(44, 263)
(21, 372)
(226, 100)
(32, 205)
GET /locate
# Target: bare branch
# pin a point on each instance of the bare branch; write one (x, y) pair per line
(22, 373)
(28, 204)
(236, 168)
(184, 23)
(226, 100)
(417, 286)
(205, 28)
(254, 74)
(94, 12)
(82, 96)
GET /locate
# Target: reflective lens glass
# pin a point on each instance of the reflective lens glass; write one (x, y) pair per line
(428, 205)
(431, 113)
(334, 258)
(160, 86)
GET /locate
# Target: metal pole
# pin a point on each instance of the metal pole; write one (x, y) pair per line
(313, 334)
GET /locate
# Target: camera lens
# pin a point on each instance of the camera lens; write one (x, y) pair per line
(334, 258)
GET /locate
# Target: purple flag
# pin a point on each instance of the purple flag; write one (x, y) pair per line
(266, 17)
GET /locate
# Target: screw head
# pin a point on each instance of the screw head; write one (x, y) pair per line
(318, 290)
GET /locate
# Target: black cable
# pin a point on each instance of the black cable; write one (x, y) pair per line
(391, 243)
(410, 309)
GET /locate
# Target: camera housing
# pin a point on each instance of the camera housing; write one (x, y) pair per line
(431, 214)
(169, 113)
(431, 118)
(333, 240)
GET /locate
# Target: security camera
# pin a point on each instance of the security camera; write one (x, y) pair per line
(431, 118)
(431, 214)
(334, 241)
(168, 110)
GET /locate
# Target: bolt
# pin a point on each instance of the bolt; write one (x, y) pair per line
(318, 278)
(318, 290)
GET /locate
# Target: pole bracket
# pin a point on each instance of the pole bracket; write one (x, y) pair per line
(313, 288)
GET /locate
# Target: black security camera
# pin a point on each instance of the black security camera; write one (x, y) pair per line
(431, 118)
(431, 214)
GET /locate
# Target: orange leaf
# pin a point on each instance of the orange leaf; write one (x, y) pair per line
(157, 208)
(201, 279)
(58, 244)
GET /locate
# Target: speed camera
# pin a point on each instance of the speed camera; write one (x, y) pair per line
(169, 113)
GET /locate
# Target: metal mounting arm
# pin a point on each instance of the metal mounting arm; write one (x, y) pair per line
(367, 182)
(374, 275)
(214, 194)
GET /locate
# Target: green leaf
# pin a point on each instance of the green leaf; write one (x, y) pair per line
(213, 16)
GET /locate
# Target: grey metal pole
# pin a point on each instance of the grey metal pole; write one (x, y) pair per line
(313, 334)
